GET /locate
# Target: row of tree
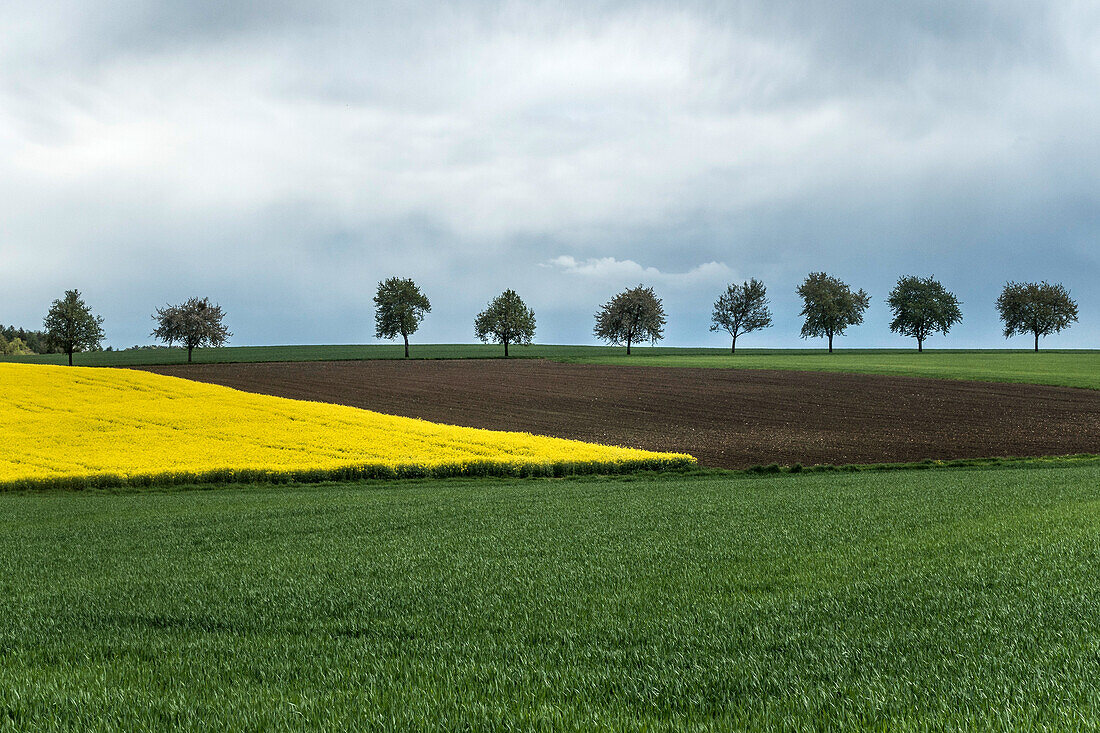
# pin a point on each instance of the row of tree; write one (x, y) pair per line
(71, 326)
(921, 307)
(400, 306)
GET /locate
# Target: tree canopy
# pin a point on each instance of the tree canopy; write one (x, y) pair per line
(631, 316)
(15, 347)
(830, 306)
(922, 307)
(36, 341)
(741, 309)
(194, 323)
(399, 309)
(1036, 308)
(507, 320)
(71, 326)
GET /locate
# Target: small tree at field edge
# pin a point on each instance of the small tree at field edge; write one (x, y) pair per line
(71, 326)
(830, 306)
(741, 309)
(399, 307)
(507, 320)
(921, 307)
(1036, 308)
(194, 323)
(631, 316)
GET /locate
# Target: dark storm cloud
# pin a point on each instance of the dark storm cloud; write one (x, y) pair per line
(282, 157)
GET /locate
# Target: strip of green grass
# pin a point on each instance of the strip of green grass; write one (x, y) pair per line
(256, 354)
(681, 466)
(332, 352)
(351, 473)
(907, 600)
(336, 352)
(1058, 368)
(1068, 368)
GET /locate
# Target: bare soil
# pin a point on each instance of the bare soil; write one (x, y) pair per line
(725, 418)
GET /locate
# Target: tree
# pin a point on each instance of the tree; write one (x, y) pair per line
(35, 341)
(741, 309)
(631, 316)
(922, 307)
(830, 306)
(507, 320)
(15, 347)
(71, 326)
(399, 309)
(1036, 308)
(194, 323)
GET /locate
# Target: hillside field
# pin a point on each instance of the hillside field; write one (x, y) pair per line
(1067, 368)
(725, 418)
(905, 600)
(77, 427)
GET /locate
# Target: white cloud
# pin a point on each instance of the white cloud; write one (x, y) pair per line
(511, 123)
(630, 272)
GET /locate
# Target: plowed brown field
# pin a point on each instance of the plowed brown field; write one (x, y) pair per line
(726, 418)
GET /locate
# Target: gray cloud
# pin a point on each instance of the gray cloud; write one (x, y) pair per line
(283, 157)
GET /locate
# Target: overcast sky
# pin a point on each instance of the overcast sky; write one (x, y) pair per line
(283, 157)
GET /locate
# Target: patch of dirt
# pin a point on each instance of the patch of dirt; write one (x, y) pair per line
(725, 417)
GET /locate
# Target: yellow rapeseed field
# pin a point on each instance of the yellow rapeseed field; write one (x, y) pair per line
(73, 426)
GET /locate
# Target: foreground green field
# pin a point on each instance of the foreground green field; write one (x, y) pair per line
(906, 600)
(1068, 368)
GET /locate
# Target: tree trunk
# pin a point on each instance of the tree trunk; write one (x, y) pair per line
(733, 346)
(189, 350)
(70, 357)
(505, 349)
(920, 344)
(406, 337)
(628, 347)
(1036, 342)
(830, 343)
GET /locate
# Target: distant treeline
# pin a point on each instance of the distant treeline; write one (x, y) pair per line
(21, 341)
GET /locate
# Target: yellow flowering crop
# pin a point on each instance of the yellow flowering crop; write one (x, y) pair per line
(72, 426)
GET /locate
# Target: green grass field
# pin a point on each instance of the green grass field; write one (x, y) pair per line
(963, 598)
(1060, 368)
(1068, 368)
